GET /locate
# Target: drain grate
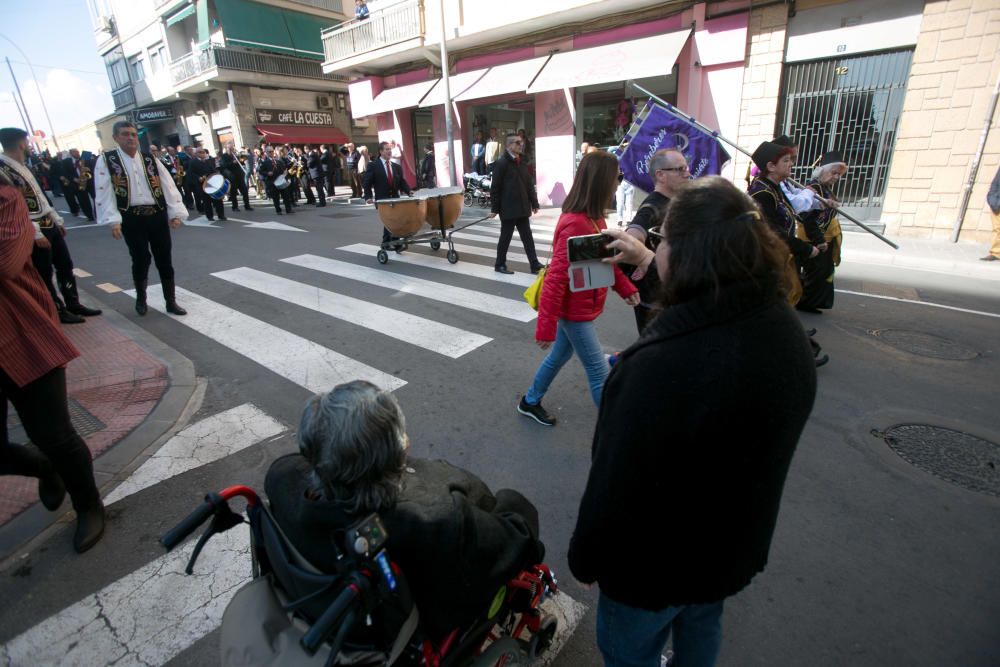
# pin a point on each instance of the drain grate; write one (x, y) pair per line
(84, 422)
(956, 457)
(925, 344)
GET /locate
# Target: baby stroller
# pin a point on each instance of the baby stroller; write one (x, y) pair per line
(477, 189)
(292, 614)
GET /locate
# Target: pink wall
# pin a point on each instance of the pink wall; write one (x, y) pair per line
(398, 125)
(555, 147)
(441, 146)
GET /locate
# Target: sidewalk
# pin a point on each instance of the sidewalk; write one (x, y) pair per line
(125, 391)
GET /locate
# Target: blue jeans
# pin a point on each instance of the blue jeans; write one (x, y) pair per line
(632, 637)
(580, 337)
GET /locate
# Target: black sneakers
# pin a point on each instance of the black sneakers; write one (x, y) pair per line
(536, 412)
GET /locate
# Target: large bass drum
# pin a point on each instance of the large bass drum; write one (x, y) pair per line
(403, 216)
(216, 186)
(444, 205)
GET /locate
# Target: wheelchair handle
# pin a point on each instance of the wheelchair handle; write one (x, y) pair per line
(317, 634)
(190, 523)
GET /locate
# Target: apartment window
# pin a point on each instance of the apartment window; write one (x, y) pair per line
(114, 62)
(157, 58)
(137, 68)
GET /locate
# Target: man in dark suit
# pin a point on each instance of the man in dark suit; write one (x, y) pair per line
(201, 168)
(77, 197)
(514, 199)
(230, 167)
(314, 167)
(386, 179)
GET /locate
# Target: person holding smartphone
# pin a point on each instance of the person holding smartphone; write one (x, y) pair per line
(566, 317)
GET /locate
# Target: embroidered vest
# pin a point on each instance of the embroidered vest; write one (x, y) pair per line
(786, 214)
(28, 192)
(120, 183)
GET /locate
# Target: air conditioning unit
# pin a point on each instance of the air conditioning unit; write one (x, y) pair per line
(324, 101)
(360, 122)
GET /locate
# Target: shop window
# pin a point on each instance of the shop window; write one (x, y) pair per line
(608, 108)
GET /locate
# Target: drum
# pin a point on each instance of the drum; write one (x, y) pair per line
(281, 182)
(216, 186)
(447, 200)
(403, 216)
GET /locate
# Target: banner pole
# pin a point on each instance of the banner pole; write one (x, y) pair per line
(670, 108)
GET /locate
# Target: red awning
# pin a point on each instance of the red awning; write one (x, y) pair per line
(300, 134)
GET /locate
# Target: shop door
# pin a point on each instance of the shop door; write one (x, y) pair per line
(851, 105)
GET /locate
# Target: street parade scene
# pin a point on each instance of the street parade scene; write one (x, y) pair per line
(424, 333)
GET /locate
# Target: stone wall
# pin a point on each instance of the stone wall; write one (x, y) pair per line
(761, 80)
(955, 69)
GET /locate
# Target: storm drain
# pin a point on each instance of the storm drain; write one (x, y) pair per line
(925, 344)
(84, 422)
(956, 457)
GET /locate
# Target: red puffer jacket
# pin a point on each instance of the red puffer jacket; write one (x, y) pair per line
(557, 302)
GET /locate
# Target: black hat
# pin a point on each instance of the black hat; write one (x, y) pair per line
(11, 135)
(831, 157)
(785, 140)
(768, 151)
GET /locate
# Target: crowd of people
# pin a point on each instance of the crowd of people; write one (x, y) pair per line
(713, 273)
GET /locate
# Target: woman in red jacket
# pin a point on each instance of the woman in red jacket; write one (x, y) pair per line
(565, 317)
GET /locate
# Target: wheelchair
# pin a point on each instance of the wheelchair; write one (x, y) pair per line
(292, 614)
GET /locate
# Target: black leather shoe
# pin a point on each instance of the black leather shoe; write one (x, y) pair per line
(89, 527)
(503, 269)
(536, 268)
(821, 361)
(810, 332)
(222, 217)
(247, 208)
(67, 317)
(83, 311)
(51, 491)
(141, 307)
(989, 258)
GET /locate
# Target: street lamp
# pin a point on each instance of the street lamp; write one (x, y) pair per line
(38, 86)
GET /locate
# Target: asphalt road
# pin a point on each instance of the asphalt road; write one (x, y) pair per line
(875, 561)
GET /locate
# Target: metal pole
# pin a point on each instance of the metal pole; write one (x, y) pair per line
(974, 167)
(20, 111)
(26, 117)
(37, 85)
(715, 133)
(452, 162)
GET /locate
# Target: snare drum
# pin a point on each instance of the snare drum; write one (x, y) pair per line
(216, 186)
(281, 182)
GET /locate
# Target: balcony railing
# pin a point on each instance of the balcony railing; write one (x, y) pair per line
(123, 98)
(241, 60)
(384, 27)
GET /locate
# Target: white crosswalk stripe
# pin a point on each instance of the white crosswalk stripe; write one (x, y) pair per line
(440, 263)
(536, 234)
(457, 296)
(428, 334)
(302, 361)
(482, 238)
(480, 251)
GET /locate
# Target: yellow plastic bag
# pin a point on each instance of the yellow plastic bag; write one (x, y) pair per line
(534, 292)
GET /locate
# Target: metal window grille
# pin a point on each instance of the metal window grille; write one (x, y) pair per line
(851, 105)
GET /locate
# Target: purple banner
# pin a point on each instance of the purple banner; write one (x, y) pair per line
(661, 129)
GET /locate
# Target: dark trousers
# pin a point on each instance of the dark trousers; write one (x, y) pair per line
(58, 256)
(355, 180)
(320, 193)
(507, 232)
(44, 413)
(239, 187)
(307, 189)
(208, 204)
(281, 196)
(148, 236)
(79, 200)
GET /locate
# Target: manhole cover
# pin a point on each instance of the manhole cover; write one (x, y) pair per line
(84, 422)
(925, 344)
(953, 456)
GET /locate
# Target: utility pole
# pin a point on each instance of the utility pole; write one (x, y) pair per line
(19, 110)
(25, 116)
(452, 162)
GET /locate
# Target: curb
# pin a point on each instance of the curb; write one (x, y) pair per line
(173, 408)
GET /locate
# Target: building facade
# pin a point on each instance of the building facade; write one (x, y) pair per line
(904, 89)
(207, 72)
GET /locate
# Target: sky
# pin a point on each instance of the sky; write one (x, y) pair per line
(56, 37)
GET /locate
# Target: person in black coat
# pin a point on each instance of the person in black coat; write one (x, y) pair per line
(78, 198)
(230, 167)
(200, 169)
(377, 183)
(696, 431)
(428, 168)
(455, 541)
(314, 166)
(513, 198)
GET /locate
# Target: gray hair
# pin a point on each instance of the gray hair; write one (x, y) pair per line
(355, 439)
(822, 170)
(659, 159)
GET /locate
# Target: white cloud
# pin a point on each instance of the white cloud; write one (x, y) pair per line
(72, 101)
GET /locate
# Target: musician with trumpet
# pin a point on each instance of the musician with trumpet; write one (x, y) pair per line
(76, 196)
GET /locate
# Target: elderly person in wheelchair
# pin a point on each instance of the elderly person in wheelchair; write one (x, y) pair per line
(456, 542)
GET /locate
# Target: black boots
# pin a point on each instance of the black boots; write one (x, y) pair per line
(140, 297)
(76, 468)
(72, 298)
(89, 526)
(170, 298)
(68, 317)
(28, 461)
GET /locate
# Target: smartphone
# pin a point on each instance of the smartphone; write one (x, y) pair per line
(589, 248)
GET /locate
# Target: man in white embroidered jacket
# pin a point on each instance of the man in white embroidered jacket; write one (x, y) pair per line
(136, 195)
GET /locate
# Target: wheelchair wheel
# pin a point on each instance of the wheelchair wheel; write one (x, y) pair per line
(383, 257)
(452, 257)
(543, 640)
(435, 245)
(468, 199)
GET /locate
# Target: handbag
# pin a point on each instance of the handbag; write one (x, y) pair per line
(534, 292)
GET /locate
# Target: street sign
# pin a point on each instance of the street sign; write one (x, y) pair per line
(153, 114)
(289, 117)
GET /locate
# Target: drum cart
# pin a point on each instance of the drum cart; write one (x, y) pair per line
(404, 217)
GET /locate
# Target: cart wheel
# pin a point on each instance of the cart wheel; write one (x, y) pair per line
(541, 642)
(383, 257)
(435, 245)
(452, 257)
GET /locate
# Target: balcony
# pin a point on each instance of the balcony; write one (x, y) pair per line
(385, 27)
(201, 62)
(123, 98)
